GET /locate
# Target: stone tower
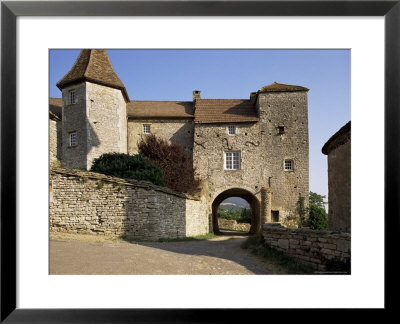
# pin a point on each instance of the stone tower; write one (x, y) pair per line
(283, 113)
(94, 119)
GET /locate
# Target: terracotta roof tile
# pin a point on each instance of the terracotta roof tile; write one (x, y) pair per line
(93, 65)
(210, 111)
(160, 109)
(55, 107)
(279, 87)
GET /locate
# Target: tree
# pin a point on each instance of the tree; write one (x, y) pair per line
(301, 212)
(176, 165)
(317, 200)
(318, 219)
(128, 166)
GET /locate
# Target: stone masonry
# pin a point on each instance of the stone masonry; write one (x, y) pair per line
(314, 248)
(87, 202)
(269, 139)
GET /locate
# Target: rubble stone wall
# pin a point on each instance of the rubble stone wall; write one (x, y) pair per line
(315, 248)
(87, 202)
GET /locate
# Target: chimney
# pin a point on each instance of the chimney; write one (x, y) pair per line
(196, 94)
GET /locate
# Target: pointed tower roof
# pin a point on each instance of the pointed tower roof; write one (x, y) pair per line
(93, 65)
(279, 87)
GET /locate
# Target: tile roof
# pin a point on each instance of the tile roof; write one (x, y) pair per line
(160, 109)
(279, 87)
(210, 111)
(55, 107)
(95, 66)
(345, 129)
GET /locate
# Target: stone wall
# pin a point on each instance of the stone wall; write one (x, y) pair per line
(107, 121)
(319, 249)
(74, 119)
(290, 110)
(339, 184)
(54, 141)
(231, 224)
(88, 202)
(99, 119)
(179, 131)
(263, 151)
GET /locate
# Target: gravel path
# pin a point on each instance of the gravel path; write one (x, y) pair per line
(217, 256)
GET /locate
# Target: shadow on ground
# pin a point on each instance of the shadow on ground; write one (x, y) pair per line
(225, 246)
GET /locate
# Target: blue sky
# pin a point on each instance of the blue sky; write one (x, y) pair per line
(174, 74)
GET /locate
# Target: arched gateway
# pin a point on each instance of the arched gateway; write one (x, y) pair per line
(246, 195)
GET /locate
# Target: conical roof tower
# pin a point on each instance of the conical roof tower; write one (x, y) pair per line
(93, 65)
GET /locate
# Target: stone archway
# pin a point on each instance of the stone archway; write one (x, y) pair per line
(246, 195)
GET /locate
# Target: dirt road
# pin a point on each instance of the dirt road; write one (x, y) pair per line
(222, 255)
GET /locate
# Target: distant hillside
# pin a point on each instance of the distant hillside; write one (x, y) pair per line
(234, 203)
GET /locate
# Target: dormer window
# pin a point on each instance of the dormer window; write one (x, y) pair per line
(146, 129)
(72, 97)
(231, 130)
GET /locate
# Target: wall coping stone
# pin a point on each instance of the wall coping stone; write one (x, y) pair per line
(129, 182)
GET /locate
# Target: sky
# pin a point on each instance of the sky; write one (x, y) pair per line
(233, 74)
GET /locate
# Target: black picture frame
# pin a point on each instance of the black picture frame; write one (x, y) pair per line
(10, 10)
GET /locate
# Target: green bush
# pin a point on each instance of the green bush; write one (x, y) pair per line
(128, 167)
(318, 219)
(239, 215)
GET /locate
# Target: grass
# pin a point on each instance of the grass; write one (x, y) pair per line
(276, 258)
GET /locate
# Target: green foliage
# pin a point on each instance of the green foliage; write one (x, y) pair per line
(301, 212)
(128, 167)
(239, 215)
(318, 219)
(317, 200)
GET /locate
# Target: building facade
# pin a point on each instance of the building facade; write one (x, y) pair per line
(338, 150)
(255, 148)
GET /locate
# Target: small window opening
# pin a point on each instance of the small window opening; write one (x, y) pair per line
(288, 165)
(72, 139)
(146, 129)
(231, 130)
(275, 215)
(72, 97)
(281, 129)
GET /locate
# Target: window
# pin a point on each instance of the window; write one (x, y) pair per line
(231, 130)
(72, 97)
(72, 139)
(281, 129)
(275, 215)
(232, 160)
(289, 165)
(146, 129)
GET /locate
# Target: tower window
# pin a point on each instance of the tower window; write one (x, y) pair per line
(72, 139)
(146, 129)
(289, 165)
(231, 130)
(232, 160)
(275, 215)
(72, 97)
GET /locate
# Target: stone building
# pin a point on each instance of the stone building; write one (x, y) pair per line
(255, 148)
(338, 150)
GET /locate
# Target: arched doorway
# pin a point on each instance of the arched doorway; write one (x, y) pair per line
(242, 193)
